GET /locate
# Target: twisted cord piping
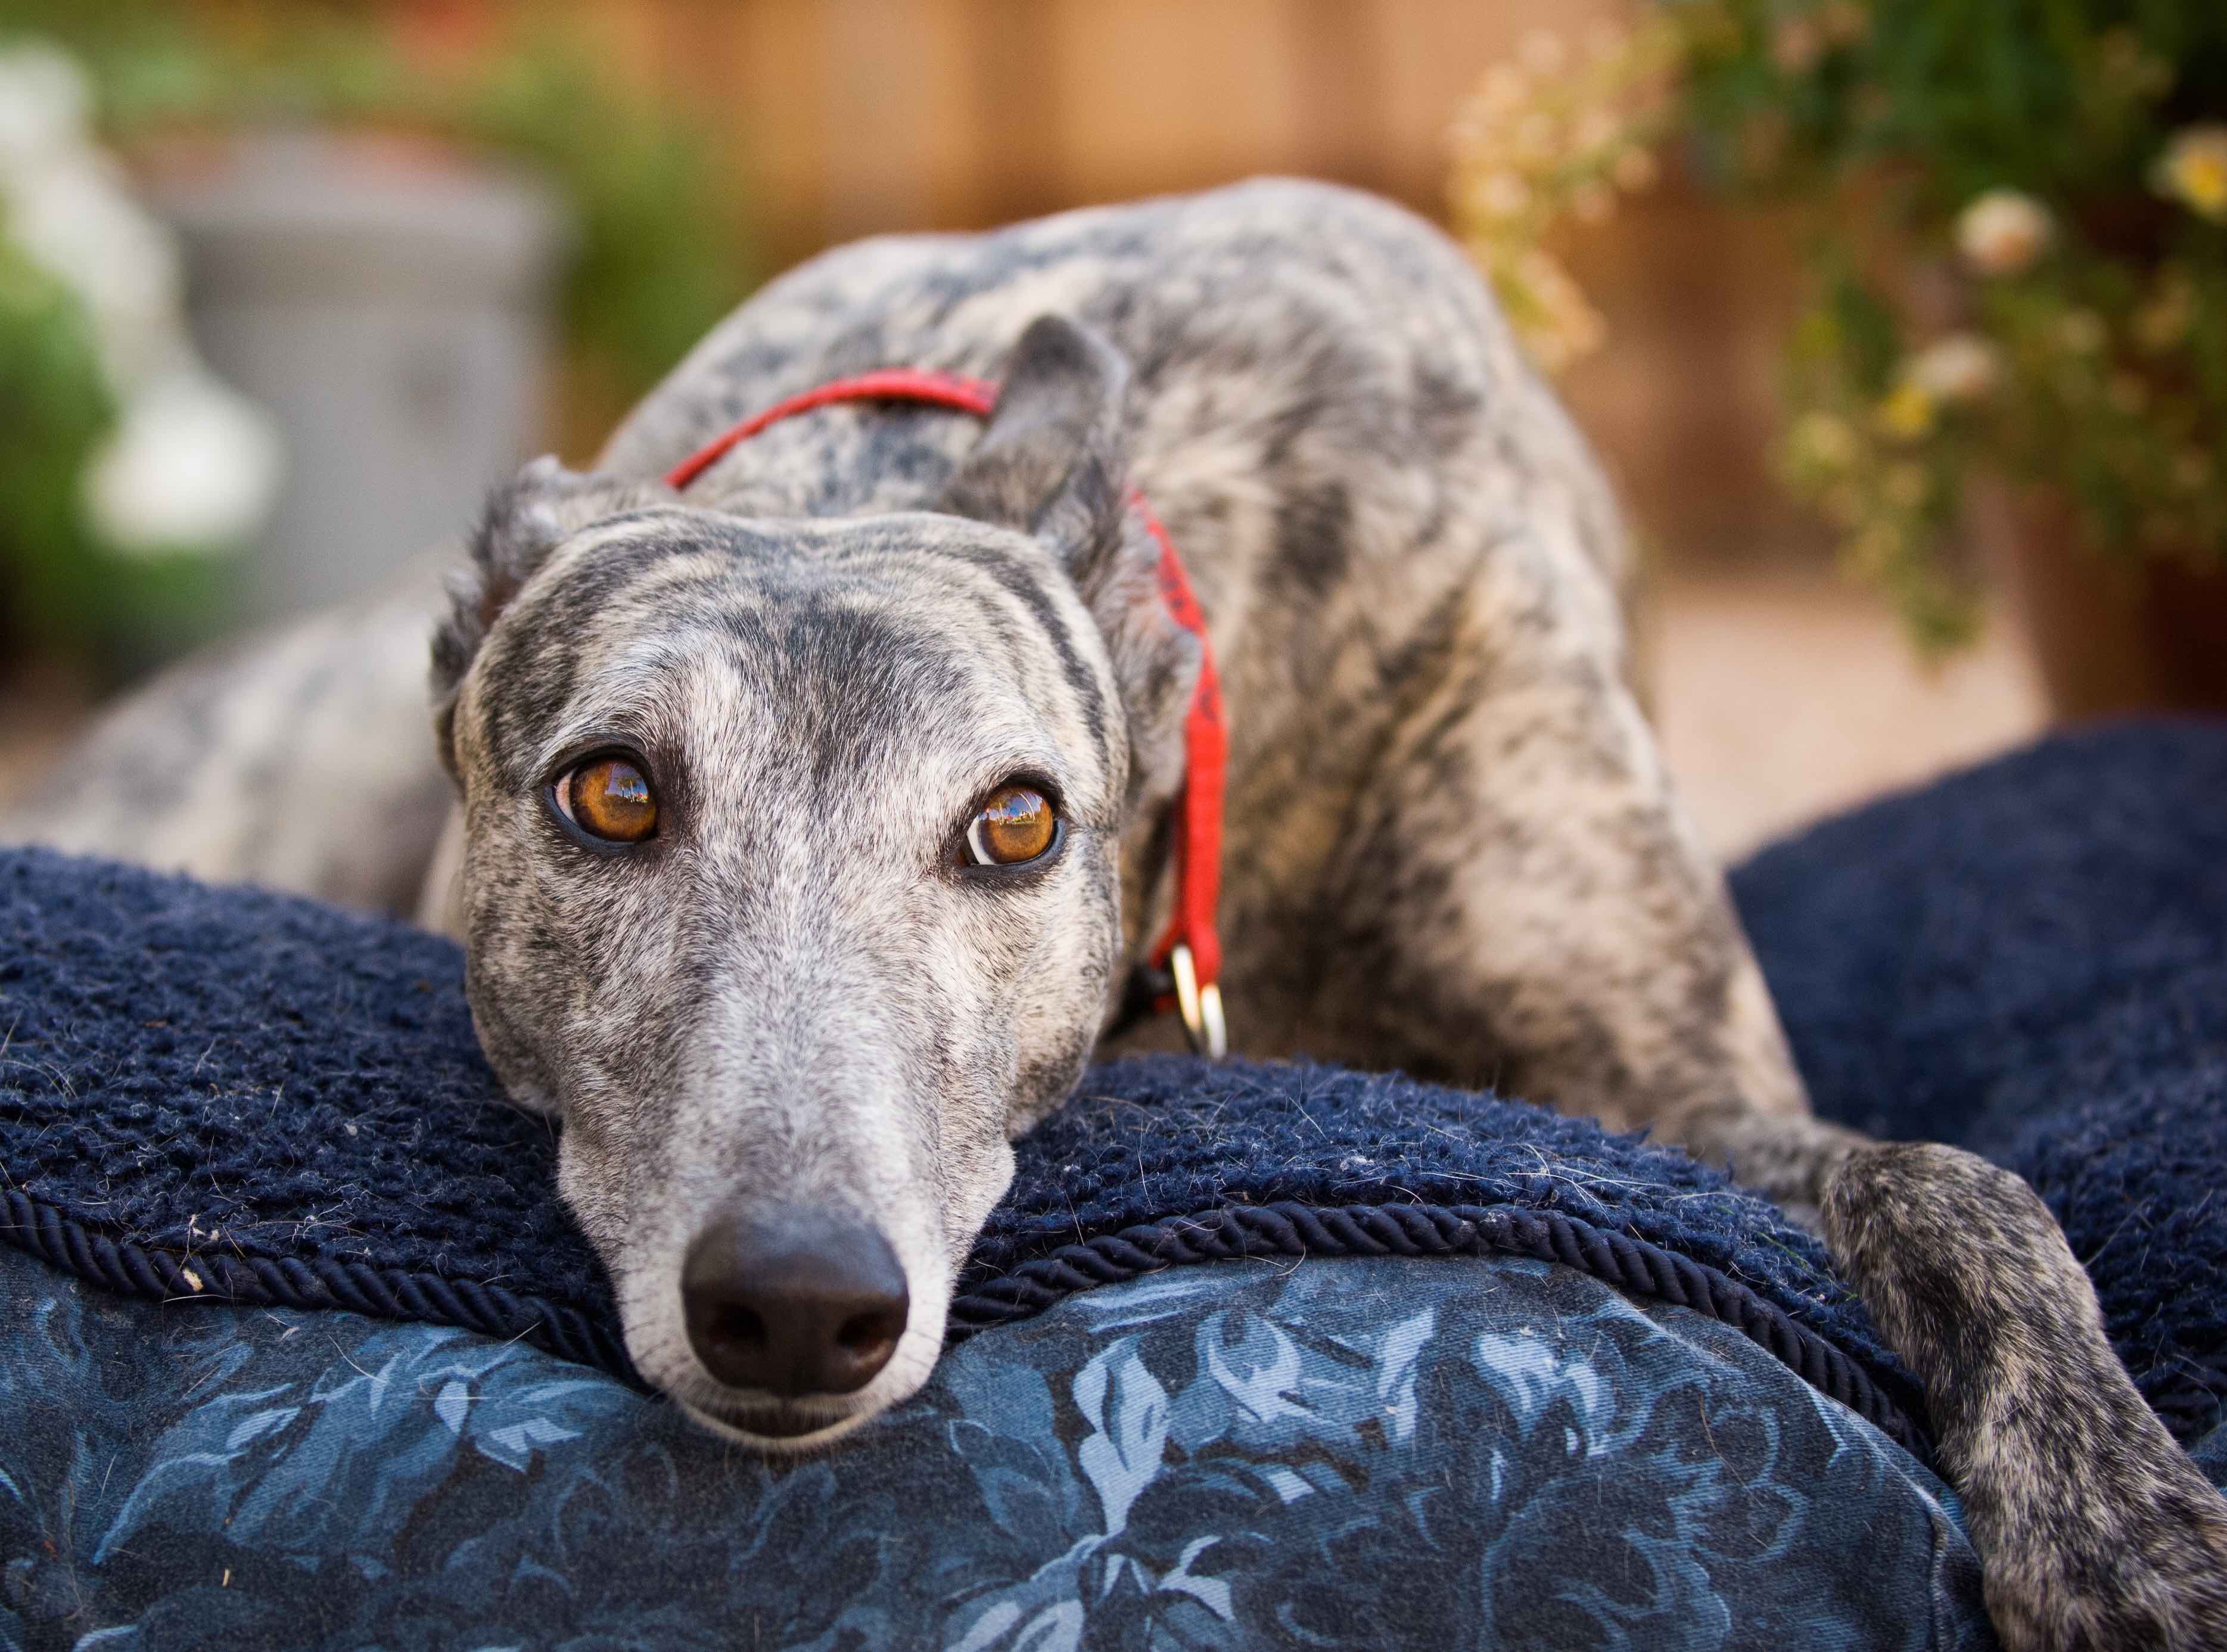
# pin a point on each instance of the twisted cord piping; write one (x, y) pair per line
(1020, 1291)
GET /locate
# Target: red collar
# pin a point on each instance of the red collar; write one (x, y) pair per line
(1189, 950)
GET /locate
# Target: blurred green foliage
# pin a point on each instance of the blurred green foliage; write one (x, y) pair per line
(1894, 128)
(54, 407)
(65, 593)
(2015, 214)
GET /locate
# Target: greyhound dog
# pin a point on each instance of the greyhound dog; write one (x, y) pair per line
(816, 819)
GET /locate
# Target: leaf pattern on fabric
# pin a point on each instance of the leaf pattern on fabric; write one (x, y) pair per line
(1360, 1453)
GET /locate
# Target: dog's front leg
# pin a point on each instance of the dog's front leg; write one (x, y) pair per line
(1521, 901)
(2095, 1531)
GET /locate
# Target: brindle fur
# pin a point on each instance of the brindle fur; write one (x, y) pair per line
(1453, 846)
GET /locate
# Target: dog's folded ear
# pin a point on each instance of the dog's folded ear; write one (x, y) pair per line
(1053, 463)
(526, 520)
(1050, 461)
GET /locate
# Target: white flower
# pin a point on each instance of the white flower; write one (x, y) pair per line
(1535, 136)
(43, 103)
(1823, 443)
(72, 216)
(1605, 39)
(1961, 367)
(191, 466)
(2002, 232)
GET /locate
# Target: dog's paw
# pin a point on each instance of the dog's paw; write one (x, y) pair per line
(1941, 1244)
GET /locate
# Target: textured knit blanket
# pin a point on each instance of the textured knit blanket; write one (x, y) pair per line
(246, 1097)
(253, 1098)
(2030, 960)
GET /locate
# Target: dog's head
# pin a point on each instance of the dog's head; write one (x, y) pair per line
(792, 882)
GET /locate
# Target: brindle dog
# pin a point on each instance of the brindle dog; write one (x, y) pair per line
(813, 823)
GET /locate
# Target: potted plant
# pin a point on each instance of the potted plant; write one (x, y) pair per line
(2014, 352)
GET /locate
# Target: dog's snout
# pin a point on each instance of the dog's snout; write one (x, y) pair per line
(794, 1300)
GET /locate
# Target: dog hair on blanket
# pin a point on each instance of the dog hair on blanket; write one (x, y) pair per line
(1451, 846)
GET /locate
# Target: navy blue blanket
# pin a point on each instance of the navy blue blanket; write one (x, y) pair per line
(253, 1098)
(2030, 960)
(257, 1099)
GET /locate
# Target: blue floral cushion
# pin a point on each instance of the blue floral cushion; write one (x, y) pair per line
(1362, 1454)
(288, 1302)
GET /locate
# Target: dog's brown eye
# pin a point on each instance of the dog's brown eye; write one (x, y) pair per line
(609, 798)
(1017, 824)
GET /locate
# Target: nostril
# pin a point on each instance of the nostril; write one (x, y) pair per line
(867, 1331)
(732, 1322)
(865, 1343)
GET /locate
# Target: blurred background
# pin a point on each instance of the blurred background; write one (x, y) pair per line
(1902, 326)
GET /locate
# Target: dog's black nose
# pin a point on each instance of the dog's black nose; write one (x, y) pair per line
(794, 1300)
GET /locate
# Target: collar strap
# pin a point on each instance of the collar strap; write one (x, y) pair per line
(1189, 950)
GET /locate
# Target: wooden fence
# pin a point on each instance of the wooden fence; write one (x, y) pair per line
(852, 117)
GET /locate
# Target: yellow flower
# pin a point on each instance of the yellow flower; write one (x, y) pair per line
(2002, 232)
(2193, 171)
(1559, 325)
(1823, 442)
(1906, 412)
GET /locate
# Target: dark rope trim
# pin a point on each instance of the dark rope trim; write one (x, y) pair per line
(254, 1281)
(1020, 1292)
